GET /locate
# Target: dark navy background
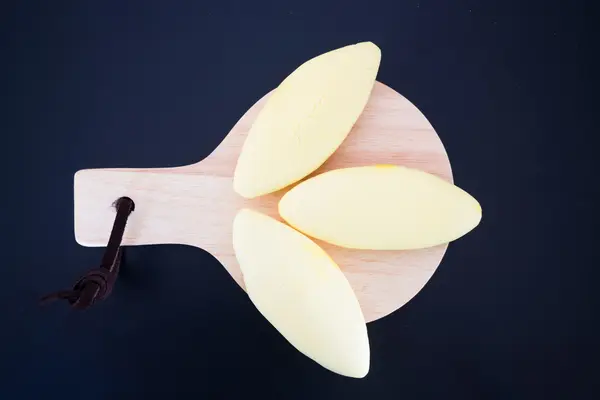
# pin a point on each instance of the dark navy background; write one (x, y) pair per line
(508, 87)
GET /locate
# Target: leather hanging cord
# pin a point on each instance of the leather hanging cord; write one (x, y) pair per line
(98, 283)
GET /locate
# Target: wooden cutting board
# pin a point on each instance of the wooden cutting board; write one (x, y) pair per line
(195, 204)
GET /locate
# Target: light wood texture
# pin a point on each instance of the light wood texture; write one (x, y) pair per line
(195, 204)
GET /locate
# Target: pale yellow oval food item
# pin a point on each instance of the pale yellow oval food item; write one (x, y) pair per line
(301, 291)
(306, 119)
(380, 208)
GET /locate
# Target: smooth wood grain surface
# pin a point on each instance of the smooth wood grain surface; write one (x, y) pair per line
(195, 204)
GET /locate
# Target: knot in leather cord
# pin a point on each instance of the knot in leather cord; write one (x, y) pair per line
(98, 283)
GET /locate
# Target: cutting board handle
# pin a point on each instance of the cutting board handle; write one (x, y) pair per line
(173, 205)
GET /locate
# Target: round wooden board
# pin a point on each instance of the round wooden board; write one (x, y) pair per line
(195, 204)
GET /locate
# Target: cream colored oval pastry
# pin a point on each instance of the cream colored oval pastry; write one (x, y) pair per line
(383, 207)
(306, 119)
(300, 290)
